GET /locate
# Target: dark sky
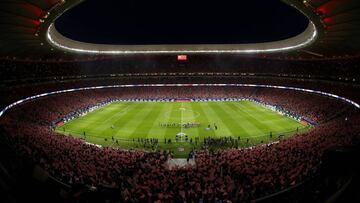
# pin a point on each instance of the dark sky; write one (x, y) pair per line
(181, 22)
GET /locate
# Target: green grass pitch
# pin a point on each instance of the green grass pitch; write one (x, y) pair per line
(128, 121)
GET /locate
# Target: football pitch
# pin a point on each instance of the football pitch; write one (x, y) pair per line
(128, 124)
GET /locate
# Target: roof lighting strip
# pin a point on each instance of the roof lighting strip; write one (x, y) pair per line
(244, 51)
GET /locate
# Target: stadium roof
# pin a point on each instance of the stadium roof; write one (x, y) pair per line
(143, 22)
(24, 26)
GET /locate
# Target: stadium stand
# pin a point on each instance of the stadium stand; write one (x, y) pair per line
(230, 174)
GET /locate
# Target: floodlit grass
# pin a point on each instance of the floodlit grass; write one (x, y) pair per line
(128, 122)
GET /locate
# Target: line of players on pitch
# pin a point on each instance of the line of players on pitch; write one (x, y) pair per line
(180, 125)
(186, 125)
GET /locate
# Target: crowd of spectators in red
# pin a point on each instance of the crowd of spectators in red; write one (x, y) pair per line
(290, 101)
(231, 174)
(14, 93)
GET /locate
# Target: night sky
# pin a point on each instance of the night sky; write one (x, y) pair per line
(181, 22)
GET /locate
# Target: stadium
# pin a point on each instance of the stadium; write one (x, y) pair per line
(137, 101)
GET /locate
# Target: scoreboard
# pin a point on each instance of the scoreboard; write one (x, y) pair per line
(182, 57)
